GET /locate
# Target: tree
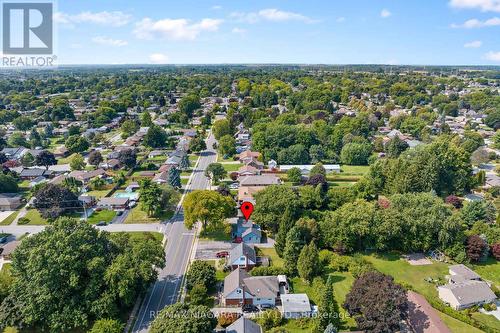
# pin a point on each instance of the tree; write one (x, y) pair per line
(287, 221)
(156, 137)
(454, 201)
(75, 273)
(17, 139)
(227, 146)
(294, 175)
(128, 128)
(184, 318)
(53, 200)
(201, 272)
(479, 210)
(188, 104)
(475, 247)
(77, 144)
(77, 162)
(395, 147)
(308, 264)
(146, 119)
(271, 202)
(35, 138)
(23, 123)
(107, 326)
(197, 144)
(377, 303)
(95, 158)
(3, 158)
(221, 128)
(184, 163)
(198, 295)
(318, 169)
(27, 160)
(151, 197)
(174, 177)
(495, 250)
(128, 157)
(208, 207)
(216, 172)
(328, 307)
(269, 319)
(46, 159)
(356, 153)
(293, 247)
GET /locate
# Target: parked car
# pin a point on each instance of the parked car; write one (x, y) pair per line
(101, 224)
(237, 240)
(222, 254)
(264, 307)
(246, 308)
(234, 186)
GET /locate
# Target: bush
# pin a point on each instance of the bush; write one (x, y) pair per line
(227, 318)
(340, 263)
(269, 319)
(270, 270)
(201, 272)
(23, 220)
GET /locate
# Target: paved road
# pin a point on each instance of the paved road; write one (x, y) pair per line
(166, 289)
(18, 230)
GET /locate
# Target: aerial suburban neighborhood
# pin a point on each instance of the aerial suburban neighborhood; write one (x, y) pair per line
(272, 196)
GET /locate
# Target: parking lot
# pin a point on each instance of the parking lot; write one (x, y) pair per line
(207, 249)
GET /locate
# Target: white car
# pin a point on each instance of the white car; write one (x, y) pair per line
(234, 186)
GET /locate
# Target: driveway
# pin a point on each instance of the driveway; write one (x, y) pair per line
(119, 219)
(208, 249)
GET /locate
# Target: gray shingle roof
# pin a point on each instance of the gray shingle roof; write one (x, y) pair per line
(471, 292)
(240, 250)
(244, 325)
(464, 271)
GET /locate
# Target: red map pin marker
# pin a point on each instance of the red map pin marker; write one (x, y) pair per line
(247, 209)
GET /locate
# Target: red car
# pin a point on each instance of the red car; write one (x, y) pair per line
(222, 254)
(237, 240)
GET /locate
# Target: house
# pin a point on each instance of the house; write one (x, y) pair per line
(32, 173)
(241, 288)
(119, 204)
(14, 153)
(248, 155)
(465, 289)
(86, 176)
(466, 294)
(248, 170)
(10, 201)
(156, 153)
(246, 193)
(295, 306)
(110, 164)
(87, 200)
(259, 180)
(242, 256)
(177, 158)
(244, 325)
(272, 164)
(38, 180)
(132, 187)
(248, 231)
(254, 163)
(7, 249)
(61, 151)
(161, 177)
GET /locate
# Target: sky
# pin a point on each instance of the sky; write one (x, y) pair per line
(418, 32)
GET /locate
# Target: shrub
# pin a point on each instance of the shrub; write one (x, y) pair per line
(270, 270)
(269, 319)
(23, 220)
(227, 318)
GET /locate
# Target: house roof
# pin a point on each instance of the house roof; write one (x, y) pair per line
(234, 280)
(240, 250)
(34, 172)
(248, 168)
(295, 303)
(252, 230)
(262, 286)
(249, 154)
(8, 198)
(469, 292)
(86, 175)
(463, 271)
(244, 325)
(261, 180)
(246, 193)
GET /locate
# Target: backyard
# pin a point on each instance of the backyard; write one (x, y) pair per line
(137, 215)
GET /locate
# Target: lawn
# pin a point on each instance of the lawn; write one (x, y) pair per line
(137, 215)
(489, 270)
(186, 173)
(65, 160)
(137, 235)
(231, 167)
(192, 159)
(218, 234)
(354, 169)
(35, 218)
(98, 193)
(102, 215)
(271, 254)
(10, 218)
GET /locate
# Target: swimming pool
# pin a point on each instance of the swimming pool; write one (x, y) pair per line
(129, 195)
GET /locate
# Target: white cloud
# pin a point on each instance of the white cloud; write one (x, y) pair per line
(483, 5)
(493, 56)
(109, 41)
(270, 14)
(158, 58)
(475, 23)
(216, 7)
(473, 45)
(238, 31)
(114, 19)
(385, 13)
(340, 19)
(175, 29)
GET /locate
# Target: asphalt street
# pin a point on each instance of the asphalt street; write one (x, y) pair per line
(166, 290)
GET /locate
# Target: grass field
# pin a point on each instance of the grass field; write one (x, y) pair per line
(10, 218)
(231, 167)
(35, 218)
(98, 193)
(102, 215)
(489, 270)
(354, 169)
(136, 235)
(137, 215)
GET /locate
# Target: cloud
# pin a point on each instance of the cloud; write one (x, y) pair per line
(270, 14)
(340, 19)
(114, 19)
(216, 7)
(493, 56)
(475, 23)
(483, 5)
(109, 41)
(473, 45)
(158, 58)
(385, 13)
(174, 29)
(238, 31)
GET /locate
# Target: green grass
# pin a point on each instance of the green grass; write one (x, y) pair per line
(271, 254)
(98, 193)
(231, 167)
(184, 181)
(137, 215)
(10, 218)
(6, 268)
(219, 234)
(192, 159)
(138, 235)
(489, 270)
(354, 169)
(35, 218)
(186, 173)
(102, 215)
(65, 160)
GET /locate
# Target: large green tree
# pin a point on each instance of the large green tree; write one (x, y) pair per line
(184, 318)
(208, 207)
(216, 172)
(151, 197)
(156, 137)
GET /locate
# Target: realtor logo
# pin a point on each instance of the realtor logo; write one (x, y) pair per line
(27, 28)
